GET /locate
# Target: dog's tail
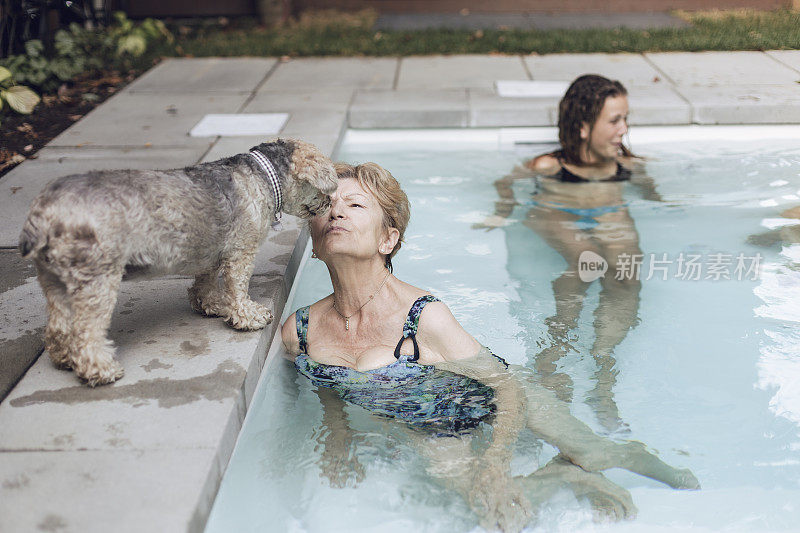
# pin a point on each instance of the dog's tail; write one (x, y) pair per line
(33, 237)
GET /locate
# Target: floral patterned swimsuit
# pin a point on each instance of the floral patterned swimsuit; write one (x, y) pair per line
(420, 395)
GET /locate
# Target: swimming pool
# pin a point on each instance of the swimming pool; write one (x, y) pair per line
(707, 375)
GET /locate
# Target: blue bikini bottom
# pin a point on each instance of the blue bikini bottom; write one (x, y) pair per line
(587, 217)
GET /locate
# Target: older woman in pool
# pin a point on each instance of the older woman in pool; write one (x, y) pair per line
(377, 337)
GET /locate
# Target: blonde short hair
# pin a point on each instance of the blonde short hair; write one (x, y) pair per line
(393, 201)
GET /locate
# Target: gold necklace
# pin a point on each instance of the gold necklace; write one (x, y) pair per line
(347, 318)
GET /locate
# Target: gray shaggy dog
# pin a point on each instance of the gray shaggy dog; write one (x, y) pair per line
(86, 231)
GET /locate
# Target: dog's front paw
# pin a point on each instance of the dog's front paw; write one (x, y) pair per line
(98, 367)
(249, 316)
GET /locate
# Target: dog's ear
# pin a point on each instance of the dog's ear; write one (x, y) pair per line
(311, 166)
(311, 180)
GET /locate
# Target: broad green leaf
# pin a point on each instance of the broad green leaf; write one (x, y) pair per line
(20, 99)
(134, 45)
(4, 74)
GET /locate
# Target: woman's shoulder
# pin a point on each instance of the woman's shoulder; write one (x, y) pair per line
(545, 164)
(289, 329)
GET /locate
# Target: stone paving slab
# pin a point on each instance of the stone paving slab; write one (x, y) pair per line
(790, 58)
(744, 104)
(630, 69)
(316, 73)
(203, 75)
(487, 110)
(19, 187)
(285, 101)
(458, 71)
(101, 490)
(144, 119)
(22, 319)
(657, 105)
(177, 363)
(722, 68)
(409, 109)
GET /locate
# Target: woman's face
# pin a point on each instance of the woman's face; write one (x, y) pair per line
(352, 225)
(603, 140)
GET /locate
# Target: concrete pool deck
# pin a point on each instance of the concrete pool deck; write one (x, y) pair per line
(148, 452)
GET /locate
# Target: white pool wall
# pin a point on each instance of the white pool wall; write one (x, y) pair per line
(507, 138)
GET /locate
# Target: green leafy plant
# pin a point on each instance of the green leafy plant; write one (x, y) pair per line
(18, 97)
(78, 50)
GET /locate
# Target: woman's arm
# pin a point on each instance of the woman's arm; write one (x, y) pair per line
(441, 333)
(291, 342)
(643, 182)
(338, 461)
(492, 492)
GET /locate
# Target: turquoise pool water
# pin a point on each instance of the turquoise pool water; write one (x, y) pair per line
(707, 374)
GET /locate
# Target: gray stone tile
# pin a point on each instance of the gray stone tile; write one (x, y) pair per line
(228, 146)
(203, 75)
(325, 141)
(19, 187)
(184, 378)
(409, 109)
(22, 318)
(744, 104)
(315, 117)
(722, 68)
(458, 71)
(790, 58)
(148, 119)
(630, 69)
(487, 110)
(99, 491)
(351, 72)
(654, 105)
(276, 252)
(320, 98)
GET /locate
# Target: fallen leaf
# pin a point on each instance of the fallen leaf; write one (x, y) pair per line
(15, 189)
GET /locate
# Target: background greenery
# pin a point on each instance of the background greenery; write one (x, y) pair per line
(329, 33)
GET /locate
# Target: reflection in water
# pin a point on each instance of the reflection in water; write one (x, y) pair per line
(780, 292)
(476, 462)
(573, 218)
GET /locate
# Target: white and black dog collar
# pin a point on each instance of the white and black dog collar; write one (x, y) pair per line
(272, 178)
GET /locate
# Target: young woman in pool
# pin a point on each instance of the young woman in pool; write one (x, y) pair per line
(397, 351)
(579, 206)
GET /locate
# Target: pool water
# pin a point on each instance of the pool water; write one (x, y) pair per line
(706, 374)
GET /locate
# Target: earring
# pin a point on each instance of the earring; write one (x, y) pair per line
(313, 254)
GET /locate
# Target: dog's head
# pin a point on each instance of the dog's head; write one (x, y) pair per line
(310, 179)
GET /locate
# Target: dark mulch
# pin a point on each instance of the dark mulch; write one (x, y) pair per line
(23, 135)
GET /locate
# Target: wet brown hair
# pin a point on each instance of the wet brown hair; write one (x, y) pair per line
(385, 188)
(581, 104)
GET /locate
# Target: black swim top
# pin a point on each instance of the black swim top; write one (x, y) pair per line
(409, 326)
(623, 174)
(421, 395)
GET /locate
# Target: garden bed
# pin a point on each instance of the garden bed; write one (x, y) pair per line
(24, 135)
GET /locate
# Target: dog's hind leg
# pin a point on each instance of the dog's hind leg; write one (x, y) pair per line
(242, 312)
(205, 295)
(59, 323)
(92, 353)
